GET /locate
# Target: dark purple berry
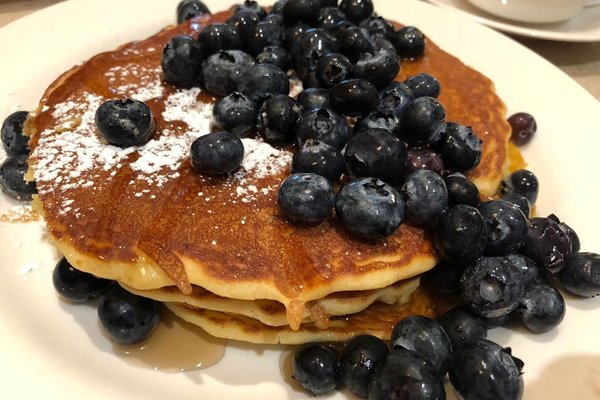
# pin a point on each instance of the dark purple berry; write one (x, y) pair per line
(357, 10)
(462, 326)
(75, 285)
(236, 113)
(523, 182)
(423, 158)
(396, 97)
(306, 197)
(409, 42)
(319, 158)
(547, 244)
(222, 72)
(277, 119)
(523, 127)
(217, 153)
(461, 234)
(424, 85)
(125, 123)
(12, 178)
(581, 274)
(354, 97)
(316, 368)
(506, 226)
(378, 27)
(461, 191)
(379, 67)
(426, 197)
(218, 37)
(275, 55)
(251, 5)
(263, 34)
(312, 98)
(188, 9)
(324, 125)
(542, 308)
(263, 81)
(330, 17)
(423, 121)
(182, 61)
(301, 12)
(459, 147)
(358, 361)
(243, 21)
(332, 69)
(13, 139)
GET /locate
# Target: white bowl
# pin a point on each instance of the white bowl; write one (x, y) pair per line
(537, 11)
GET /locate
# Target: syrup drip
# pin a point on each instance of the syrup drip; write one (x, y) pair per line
(174, 346)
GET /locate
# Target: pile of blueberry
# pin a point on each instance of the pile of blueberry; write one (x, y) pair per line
(13, 169)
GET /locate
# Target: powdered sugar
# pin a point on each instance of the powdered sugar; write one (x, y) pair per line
(184, 106)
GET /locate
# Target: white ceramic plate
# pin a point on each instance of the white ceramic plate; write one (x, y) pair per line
(53, 350)
(583, 27)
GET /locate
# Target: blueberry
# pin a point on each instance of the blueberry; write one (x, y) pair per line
(358, 361)
(379, 67)
(423, 121)
(353, 41)
(182, 61)
(423, 158)
(329, 17)
(506, 226)
(523, 182)
(380, 43)
(426, 337)
(188, 9)
(12, 178)
(541, 309)
(243, 21)
(301, 11)
(292, 35)
(547, 244)
(75, 285)
(461, 191)
(218, 37)
(306, 197)
(378, 27)
(523, 127)
(313, 44)
(236, 113)
(461, 234)
(379, 119)
(316, 368)
(491, 286)
(332, 69)
(575, 244)
(426, 196)
(222, 72)
(376, 153)
(462, 326)
(13, 139)
(444, 278)
(128, 318)
(396, 97)
(125, 123)
(310, 80)
(263, 34)
(405, 375)
(277, 7)
(459, 147)
(409, 42)
(312, 98)
(529, 272)
(324, 125)
(369, 208)
(519, 201)
(424, 85)
(217, 153)
(275, 55)
(319, 158)
(354, 97)
(263, 81)
(357, 10)
(251, 5)
(482, 370)
(495, 322)
(277, 119)
(581, 274)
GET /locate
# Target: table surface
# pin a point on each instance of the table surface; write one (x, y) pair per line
(581, 61)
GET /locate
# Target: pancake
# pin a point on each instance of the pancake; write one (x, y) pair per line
(144, 217)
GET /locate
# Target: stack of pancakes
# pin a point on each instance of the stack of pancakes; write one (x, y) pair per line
(216, 249)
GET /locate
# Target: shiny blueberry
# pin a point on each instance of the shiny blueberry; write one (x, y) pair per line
(426, 337)
(125, 123)
(461, 191)
(277, 119)
(263, 81)
(581, 274)
(409, 42)
(311, 46)
(236, 113)
(217, 153)
(461, 234)
(218, 37)
(423, 121)
(482, 370)
(424, 85)
(491, 286)
(263, 34)
(182, 61)
(301, 12)
(126, 317)
(520, 201)
(523, 127)
(332, 69)
(251, 5)
(354, 97)
(376, 153)
(306, 197)
(444, 278)
(75, 285)
(324, 125)
(573, 237)
(243, 21)
(523, 182)
(353, 41)
(358, 361)
(316, 368)
(319, 158)
(379, 119)
(12, 178)
(423, 158)
(462, 326)
(330, 17)
(277, 7)
(528, 269)
(13, 139)
(291, 35)
(369, 208)
(188, 9)
(506, 226)
(275, 55)
(547, 244)
(222, 72)
(357, 10)
(395, 98)
(312, 98)
(426, 196)
(379, 67)
(406, 375)
(459, 147)
(542, 308)
(378, 27)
